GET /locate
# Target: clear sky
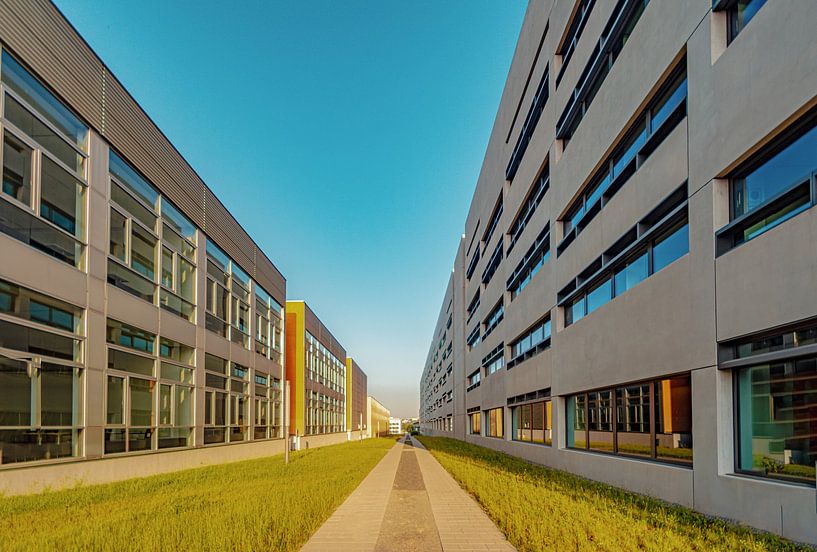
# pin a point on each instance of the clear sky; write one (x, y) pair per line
(345, 136)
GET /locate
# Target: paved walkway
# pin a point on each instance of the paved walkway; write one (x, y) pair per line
(408, 503)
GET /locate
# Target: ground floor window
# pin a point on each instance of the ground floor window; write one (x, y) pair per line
(651, 419)
(777, 419)
(532, 423)
(494, 423)
(475, 423)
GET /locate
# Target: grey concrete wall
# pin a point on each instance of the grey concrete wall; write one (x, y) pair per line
(739, 98)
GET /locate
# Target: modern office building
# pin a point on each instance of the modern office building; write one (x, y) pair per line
(316, 370)
(356, 393)
(633, 297)
(395, 426)
(377, 417)
(136, 315)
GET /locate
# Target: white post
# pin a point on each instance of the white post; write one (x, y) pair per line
(286, 421)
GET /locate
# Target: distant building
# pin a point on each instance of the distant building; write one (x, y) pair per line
(377, 417)
(395, 426)
(316, 369)
(356, 381)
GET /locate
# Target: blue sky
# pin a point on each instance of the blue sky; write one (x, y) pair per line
(345, 137)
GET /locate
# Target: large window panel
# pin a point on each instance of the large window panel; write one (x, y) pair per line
(651, 420)
(600, 422)
(118, 230)
(15, 393)
(132, 180)
(116, 401)
(62, 198)
(30, 340)
(633, 420)
(673, 419)
(785, 168)
(26, 86)
(143, 252)
(670, 248)
(141, 402)
(57, 388)
(777, 420)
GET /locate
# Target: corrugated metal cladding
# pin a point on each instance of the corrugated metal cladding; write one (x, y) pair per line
(42, 38)
(317, 328)
(36, 32)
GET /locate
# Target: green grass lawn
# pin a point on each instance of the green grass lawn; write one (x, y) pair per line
(250, 505)
(544, 509)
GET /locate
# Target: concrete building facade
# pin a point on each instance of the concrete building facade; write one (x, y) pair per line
(377, 417)
(635, 275)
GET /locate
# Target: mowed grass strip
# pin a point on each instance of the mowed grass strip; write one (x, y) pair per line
(249, 505)
(543, 509)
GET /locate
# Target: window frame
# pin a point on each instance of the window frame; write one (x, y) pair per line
(605, 182)
(614, 410)
(35, 193)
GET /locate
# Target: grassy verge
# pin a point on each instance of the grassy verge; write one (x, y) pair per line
(543, 509)
(250, 505)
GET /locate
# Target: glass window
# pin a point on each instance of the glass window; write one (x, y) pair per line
(62, 198)
(30, 305)
(128, 336)
(118, 231)
(143, 252)
(532, 423)
(26, 86)
(176, 373)
(167, 267)
(17, 163)
(627, 151)
(129, 281)
(673, 419)
(577, 421)
(632, 273)
(30, 340)
(133, 207)
(176, 351)
(741, 13)
(133, 181)
(176, 220)
(495, 426)
(670, 248)
(600, 422)
(633, 420)
(576, 311)
(165, 401)
(141, 402)
(52, 142)
(599, 295)
(57, 395)
(667, 103)
(116, 400)
(777, 409)
(186, 285)
(26, 445)
(15, 393)
(652, 420)
(120, 360)
(788, 167)
(181, 245)
(474, 423)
